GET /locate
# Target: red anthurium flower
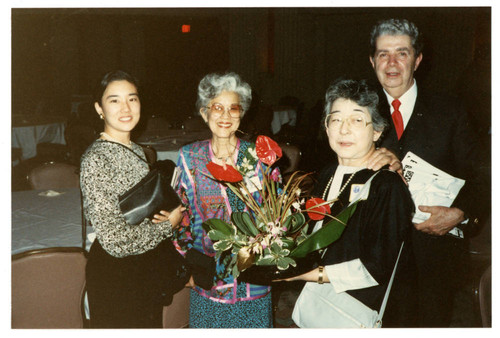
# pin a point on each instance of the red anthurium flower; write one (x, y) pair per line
(268, 150)
(323, 208)
(225, 174)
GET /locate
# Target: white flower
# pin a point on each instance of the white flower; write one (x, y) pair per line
(256, 248)
(278, 241)
(297, 204)
(253, 152)
(275, 231)
(246, 167)
(265, 241)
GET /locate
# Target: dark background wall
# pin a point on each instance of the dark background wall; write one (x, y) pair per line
(59, 53)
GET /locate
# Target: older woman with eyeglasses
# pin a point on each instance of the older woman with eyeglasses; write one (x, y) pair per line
(222, 102)
(357, 267)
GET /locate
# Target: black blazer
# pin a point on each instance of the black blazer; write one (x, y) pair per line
(440, 133)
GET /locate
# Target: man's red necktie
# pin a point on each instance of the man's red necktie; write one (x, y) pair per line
(397, 118)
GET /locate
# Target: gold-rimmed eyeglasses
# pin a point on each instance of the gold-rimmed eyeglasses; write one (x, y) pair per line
(217, 110)
(354, 121)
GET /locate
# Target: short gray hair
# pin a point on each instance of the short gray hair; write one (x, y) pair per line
(396, 27)
(359, 92)
(212, 85)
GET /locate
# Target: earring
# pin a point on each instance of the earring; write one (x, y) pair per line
(101, 116)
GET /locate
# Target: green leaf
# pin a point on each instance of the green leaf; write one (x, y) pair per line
(267, 260)
(283, 252)
(217, 224)
(223, 245)
(328, 234)
(236, 247)
(288, 243)
(284, 262)
(216, 235)
(244, 222)
(294, 222)
(275, 248)
(236, 272)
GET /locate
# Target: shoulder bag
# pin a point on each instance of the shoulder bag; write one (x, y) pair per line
(152, 194)
(319, 306)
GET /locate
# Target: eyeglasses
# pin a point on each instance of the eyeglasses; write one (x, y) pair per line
(356, 122)
(217, 110)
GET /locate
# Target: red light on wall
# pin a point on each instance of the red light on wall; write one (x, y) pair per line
(186, 28)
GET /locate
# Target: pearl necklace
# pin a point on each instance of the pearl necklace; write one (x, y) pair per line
(341, 189)
(109, 138)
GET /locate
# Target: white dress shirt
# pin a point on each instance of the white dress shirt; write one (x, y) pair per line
(407, 100)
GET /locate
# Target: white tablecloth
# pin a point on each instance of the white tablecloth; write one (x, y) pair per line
(167, 146)
(27, 137)
(282, 117)
(44, 222)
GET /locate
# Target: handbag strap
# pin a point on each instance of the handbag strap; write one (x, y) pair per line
(389, 286)
(133, 152)
(363, 194)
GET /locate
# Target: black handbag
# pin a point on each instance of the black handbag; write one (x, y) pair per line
(152, 194)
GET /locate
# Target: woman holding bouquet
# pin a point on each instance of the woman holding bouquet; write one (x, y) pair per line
(222, 102)
(360, 263)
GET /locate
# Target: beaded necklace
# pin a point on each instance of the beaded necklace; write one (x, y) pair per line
(341, 189)
(221, 158)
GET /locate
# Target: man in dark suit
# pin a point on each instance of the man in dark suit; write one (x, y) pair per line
(436, 129)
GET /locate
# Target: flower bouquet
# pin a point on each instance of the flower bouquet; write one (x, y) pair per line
(273, 233)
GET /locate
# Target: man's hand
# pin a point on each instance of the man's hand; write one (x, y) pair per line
(442, 219)
(382, 157)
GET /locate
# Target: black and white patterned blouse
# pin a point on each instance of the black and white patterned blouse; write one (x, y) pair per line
(107, 171)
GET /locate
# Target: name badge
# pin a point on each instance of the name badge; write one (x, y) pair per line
(355, 189)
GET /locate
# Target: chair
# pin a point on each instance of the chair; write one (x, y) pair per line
(176, 315)
(54, 175)
(52, 151)
(48, 287)
(482, 297)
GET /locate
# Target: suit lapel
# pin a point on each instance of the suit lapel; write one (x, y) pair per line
(389, 138)
(413, 130)
(413, 133)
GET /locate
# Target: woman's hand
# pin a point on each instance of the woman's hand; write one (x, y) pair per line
(174, 217)
(190, 283)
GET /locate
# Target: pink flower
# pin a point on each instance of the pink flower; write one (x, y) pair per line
(268, 150)
(275, 175)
